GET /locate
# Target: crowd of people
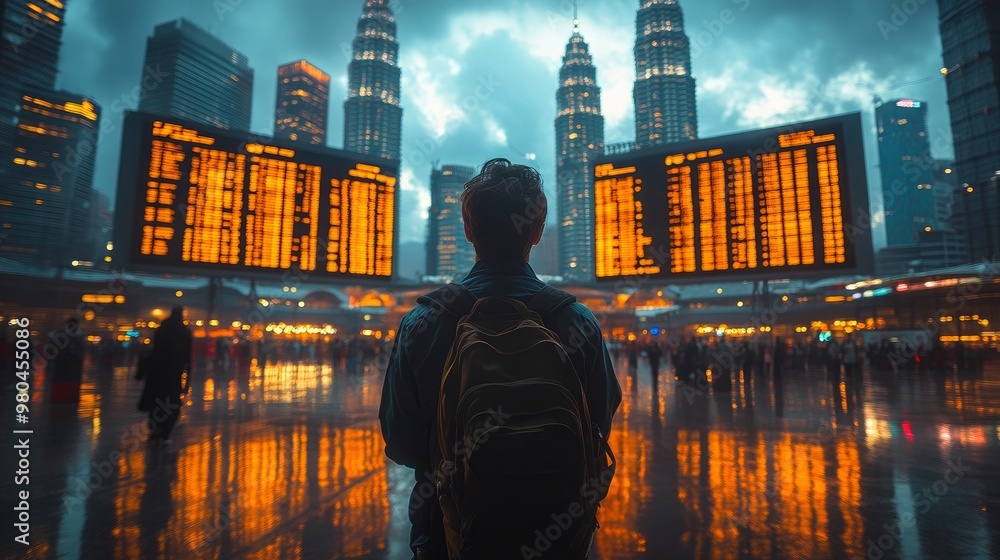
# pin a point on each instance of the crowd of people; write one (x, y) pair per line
(692, 358)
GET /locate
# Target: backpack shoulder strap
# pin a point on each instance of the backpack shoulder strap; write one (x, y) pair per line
(549, 300)
(453, 299)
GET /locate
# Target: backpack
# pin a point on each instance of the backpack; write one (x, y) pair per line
(521, 468)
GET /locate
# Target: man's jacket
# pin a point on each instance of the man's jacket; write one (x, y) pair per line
(413, 378)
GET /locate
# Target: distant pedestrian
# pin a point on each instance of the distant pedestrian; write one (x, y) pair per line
(67, 370)
(165, 381)
(833, 357)
(632, 352)
(655, 354)
(850, 356)
(690, 362)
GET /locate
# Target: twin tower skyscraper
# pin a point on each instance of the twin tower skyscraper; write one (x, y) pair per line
(665, 112)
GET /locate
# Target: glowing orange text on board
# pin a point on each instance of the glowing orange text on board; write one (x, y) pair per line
(263, 207)
(724, 211)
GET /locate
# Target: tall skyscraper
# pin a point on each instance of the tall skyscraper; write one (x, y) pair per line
(203, 79)
(373, 118)
(579, 137)
(46, 211)
(907, 170)
(545, 255)
(30, 38)
(448, 252)
(970, 37)
(302, 103)
(664, 93)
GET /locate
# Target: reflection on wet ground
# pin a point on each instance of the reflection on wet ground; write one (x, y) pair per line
(286, 462)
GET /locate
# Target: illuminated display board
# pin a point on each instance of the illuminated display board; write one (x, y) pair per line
(192, 198)
(776, 203)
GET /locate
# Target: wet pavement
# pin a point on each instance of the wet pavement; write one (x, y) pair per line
(287, 462)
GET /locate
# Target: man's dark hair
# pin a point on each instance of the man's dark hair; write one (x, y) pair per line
(505, 208)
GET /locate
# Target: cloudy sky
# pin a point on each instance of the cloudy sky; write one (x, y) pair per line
(480, 76)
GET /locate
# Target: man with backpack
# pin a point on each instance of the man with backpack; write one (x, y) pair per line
(500, 393)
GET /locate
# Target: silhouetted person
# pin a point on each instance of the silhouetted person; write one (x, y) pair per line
(689, 365)
(850, 356)
(655, 354)
(67, 370)
(722, 365)
(779, 357)
(833, 357)
(747, 360)
(632, 353)
(171, 357)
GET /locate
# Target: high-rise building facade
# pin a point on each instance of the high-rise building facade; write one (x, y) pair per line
(102, 221)
(664, 92)
(970, 39)
(30, 38)
(545, 256)
(200, 77)
(302, 103)
(448, 251)
(907, 170)
(579, 137)
(945, 191)
(933, 250)
(373, 117)
(46, 211)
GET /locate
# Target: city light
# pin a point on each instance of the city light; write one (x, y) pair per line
(283, 329)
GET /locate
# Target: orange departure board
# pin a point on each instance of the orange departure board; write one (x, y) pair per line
(195, 198)
(782, 202)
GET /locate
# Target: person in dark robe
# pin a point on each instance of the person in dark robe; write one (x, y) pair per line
(165, 380)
